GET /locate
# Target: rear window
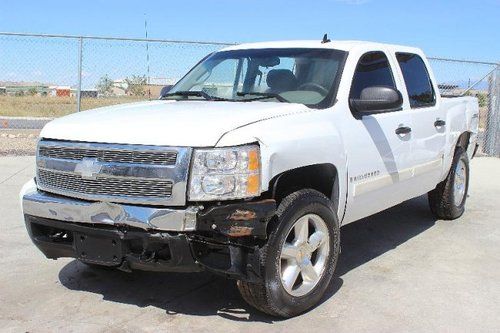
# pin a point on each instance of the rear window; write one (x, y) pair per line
(417, 80)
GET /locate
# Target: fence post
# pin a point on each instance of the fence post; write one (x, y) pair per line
(492, 132)
(497, 113)
(79, 91)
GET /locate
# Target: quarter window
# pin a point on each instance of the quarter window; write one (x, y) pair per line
(373, 69)
(417, 80)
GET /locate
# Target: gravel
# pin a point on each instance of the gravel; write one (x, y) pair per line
(18, 142)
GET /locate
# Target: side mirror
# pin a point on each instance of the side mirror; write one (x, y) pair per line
(377, 99)
(165, 90)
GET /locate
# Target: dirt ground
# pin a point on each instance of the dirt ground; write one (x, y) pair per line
(47, 106)
(18, 142)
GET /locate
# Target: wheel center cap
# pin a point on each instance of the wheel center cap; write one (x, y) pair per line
(304, 253)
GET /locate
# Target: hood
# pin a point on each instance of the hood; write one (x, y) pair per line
(165, 123)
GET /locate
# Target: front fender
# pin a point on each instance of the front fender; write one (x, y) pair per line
(295, 141)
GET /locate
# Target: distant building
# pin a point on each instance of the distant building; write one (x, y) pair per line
(89, 93)
(456, 90)
(3, 90)
(156, 84)
(153, 88)
(162, 81)
(60, 91)
(22, 90)
(119, 88)
(444, 86)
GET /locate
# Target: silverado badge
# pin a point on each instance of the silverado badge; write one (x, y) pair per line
(88, 168)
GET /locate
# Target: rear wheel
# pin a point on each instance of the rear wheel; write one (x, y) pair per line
(299, 258)
(447, 200)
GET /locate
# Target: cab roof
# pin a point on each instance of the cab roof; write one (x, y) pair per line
(344, 45)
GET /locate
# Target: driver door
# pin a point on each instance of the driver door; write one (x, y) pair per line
(379, 159)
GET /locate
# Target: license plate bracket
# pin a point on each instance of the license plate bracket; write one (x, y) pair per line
(100, 250)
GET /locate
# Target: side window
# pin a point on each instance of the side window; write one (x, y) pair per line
(417, 80)
(373, 69)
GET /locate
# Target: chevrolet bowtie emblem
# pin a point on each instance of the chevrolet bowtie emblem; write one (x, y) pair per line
(88, 168)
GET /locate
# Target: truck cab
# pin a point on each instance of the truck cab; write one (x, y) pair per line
(249, 166)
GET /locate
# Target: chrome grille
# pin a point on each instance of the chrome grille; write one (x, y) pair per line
(135, 174)
(105, 186)
(120, 156)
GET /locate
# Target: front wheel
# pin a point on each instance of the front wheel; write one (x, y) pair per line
(447, 200)
(299, 258)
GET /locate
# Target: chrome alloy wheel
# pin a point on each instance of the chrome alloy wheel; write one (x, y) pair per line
(459, 183)
(304, 255)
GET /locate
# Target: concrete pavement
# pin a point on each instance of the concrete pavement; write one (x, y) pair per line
(400, 270)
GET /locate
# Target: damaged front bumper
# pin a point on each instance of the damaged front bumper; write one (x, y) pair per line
(223, 238)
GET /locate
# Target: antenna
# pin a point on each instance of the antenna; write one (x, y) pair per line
(325, 39)
(147, 56)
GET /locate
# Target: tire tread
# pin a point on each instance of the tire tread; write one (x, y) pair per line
(255, 294)
(441, 198)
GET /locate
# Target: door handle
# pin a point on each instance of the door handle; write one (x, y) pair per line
(439, 123)
(403, 130)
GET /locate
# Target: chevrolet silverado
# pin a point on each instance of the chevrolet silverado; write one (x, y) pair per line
(249, 166)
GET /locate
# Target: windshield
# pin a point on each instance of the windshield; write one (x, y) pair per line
(306, 76)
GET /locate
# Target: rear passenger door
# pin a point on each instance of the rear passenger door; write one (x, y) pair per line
(429, 122)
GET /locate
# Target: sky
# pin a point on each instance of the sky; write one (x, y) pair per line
(451, 29)
(459, 29)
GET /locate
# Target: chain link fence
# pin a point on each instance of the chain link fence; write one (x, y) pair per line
(478, 79)
(51, 76)
(47, 76)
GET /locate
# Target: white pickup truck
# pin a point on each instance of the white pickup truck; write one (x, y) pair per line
(251, 163)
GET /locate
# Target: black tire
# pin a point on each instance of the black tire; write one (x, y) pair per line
(270, 296)
(442, 198)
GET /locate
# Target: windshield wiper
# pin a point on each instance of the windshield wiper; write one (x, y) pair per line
(195, 94)
(263, 95)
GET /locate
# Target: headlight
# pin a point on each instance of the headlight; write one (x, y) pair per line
(225, 173)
